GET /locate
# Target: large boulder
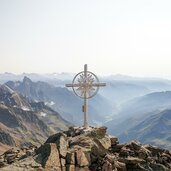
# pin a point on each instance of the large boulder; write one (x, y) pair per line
(48, 156)
(82, 158)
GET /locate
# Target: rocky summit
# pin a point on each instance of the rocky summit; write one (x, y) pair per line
(91, 149)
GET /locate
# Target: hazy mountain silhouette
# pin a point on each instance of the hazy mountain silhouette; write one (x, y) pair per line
(63, 101)
(121, 91)
(155, 129)
(129, 101)
(147, 111)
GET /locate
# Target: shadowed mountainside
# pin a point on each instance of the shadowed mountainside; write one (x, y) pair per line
(23, 122)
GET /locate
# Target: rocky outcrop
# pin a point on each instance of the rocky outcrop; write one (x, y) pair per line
(90, 149)
(14, 155)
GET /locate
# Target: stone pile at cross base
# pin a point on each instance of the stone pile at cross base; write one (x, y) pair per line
(80, 149)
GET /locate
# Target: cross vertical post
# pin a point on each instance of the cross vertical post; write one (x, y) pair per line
(85, 99)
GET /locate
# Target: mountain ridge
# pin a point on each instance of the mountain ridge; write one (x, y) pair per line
(154, 129)
(63, 100)
(22, 121)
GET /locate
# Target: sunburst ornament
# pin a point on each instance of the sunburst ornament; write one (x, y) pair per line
(85, 85)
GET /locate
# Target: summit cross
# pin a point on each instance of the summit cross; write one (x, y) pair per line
(85, 85)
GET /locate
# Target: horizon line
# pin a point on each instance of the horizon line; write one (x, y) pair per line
(101, 75)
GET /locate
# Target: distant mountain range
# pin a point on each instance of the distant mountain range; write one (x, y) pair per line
(121, 91)
(154, 129)
(131, 108)
(143, 105)
(146, 119)
(63, 101)
(23, 122)
(58, 79)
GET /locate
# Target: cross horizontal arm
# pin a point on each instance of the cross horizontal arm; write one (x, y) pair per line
(94, 85)
(99, 84)
(72, 85)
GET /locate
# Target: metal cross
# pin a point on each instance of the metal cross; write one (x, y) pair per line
(85, 85)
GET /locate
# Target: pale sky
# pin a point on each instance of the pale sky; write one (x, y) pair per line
(130, 37)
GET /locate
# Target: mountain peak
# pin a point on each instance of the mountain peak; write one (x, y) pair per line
(92, 149)
(27, 80)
